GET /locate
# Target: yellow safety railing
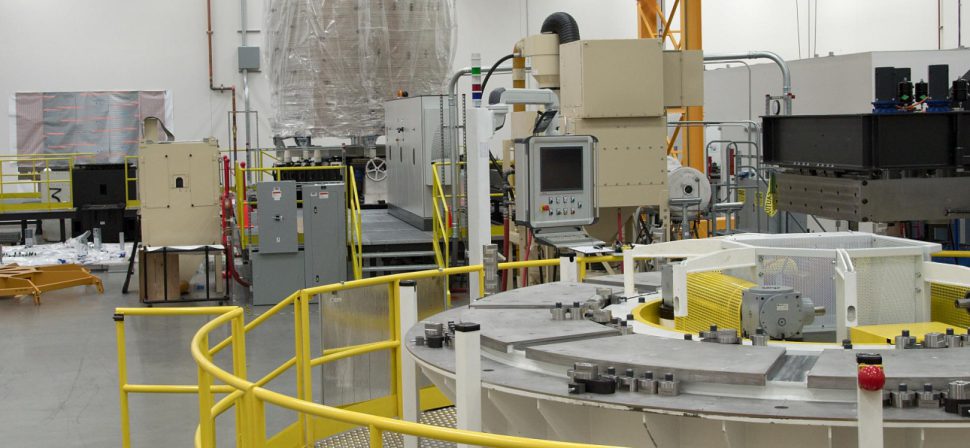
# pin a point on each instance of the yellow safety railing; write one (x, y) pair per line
(354, 229)
(441, 220)
(36, 189)
(314, 421)
(354, 220)
(129, 180)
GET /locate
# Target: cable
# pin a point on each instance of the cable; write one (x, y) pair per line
(815, 31)
(798, 29)
(494, 66)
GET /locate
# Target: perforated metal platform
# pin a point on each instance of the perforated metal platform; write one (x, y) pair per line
(360, 438)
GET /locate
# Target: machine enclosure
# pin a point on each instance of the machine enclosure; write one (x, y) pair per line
(416, 138)
(179, 191)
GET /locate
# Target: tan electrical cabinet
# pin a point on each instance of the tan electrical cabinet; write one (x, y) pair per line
(683, 78)
(178, 186)
(612, 78)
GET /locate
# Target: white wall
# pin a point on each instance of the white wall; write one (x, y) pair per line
(64, 45)
(842, 26)
(69, 45)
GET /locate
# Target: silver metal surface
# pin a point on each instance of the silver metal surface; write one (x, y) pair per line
(645, 282)
(353, 317)
(872, 200)
(360, 316)
(688, 360)
(541, 296)
(503, 330)
(381, 228)
(837, 369)
(499, 375)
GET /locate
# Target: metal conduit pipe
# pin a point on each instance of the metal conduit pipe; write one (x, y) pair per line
(453, 121)
(785, 72)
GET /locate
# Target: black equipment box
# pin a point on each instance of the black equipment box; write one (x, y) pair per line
(101, 184)
(868, 142)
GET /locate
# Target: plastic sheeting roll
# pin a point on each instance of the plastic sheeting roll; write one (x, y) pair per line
(332, 63)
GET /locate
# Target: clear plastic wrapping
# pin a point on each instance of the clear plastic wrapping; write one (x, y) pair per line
(332, 63)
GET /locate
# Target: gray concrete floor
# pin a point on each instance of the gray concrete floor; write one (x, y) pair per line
(59, 378)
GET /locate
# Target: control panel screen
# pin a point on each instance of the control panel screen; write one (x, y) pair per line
(561, 168)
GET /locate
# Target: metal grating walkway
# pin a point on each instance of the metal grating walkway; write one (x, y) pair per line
(360, 438)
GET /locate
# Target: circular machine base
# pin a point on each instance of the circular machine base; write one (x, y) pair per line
(730, 395)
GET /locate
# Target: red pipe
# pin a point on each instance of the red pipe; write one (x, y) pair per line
(221, 88)
(226, 240)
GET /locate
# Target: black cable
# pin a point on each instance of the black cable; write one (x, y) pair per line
(494, 66)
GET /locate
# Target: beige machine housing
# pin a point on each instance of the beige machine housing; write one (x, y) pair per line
(618, 90)
(179, 190)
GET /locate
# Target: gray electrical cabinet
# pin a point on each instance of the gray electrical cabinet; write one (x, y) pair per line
(276, 217)
(417, 136)
(276, 276)
(324, 233)
(281, 265)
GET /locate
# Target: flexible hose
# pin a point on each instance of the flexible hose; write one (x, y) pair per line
(562, 24)
(495, 66)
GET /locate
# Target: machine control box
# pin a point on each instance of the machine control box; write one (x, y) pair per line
(277, 216)
(555, 181)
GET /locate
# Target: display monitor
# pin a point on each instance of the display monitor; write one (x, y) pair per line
(560, 168)
(554, 181)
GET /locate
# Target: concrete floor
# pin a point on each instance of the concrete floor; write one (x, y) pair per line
(59, 379)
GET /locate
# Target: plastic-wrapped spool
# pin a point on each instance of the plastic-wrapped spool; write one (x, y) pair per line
(333, 63)
(687, 183)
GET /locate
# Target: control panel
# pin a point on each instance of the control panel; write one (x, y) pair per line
(554, 181)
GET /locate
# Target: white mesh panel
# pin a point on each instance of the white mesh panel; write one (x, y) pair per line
(887, 289)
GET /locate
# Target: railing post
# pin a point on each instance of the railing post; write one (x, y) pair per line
(243, 415)
(376, 438)
(408, 300)
(568, 270)
(123, 381)
(394, 306)
(871, 379)
(468, 377)
(301, 329)
(206, 422)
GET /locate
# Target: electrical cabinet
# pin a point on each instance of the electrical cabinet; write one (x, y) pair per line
(179, 191)
(324, 233)
(417, 137)
(276, 211)
(281, 264)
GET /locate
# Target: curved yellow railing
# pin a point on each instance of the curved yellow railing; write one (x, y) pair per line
(250, 397)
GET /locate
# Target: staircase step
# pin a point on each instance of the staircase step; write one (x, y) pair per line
(400, 268)
(401, 254)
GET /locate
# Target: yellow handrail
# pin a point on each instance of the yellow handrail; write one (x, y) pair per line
(953, 254)
(354, 231)
(439, 222)
(130, 203)
(250, 397)
(37, 183)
